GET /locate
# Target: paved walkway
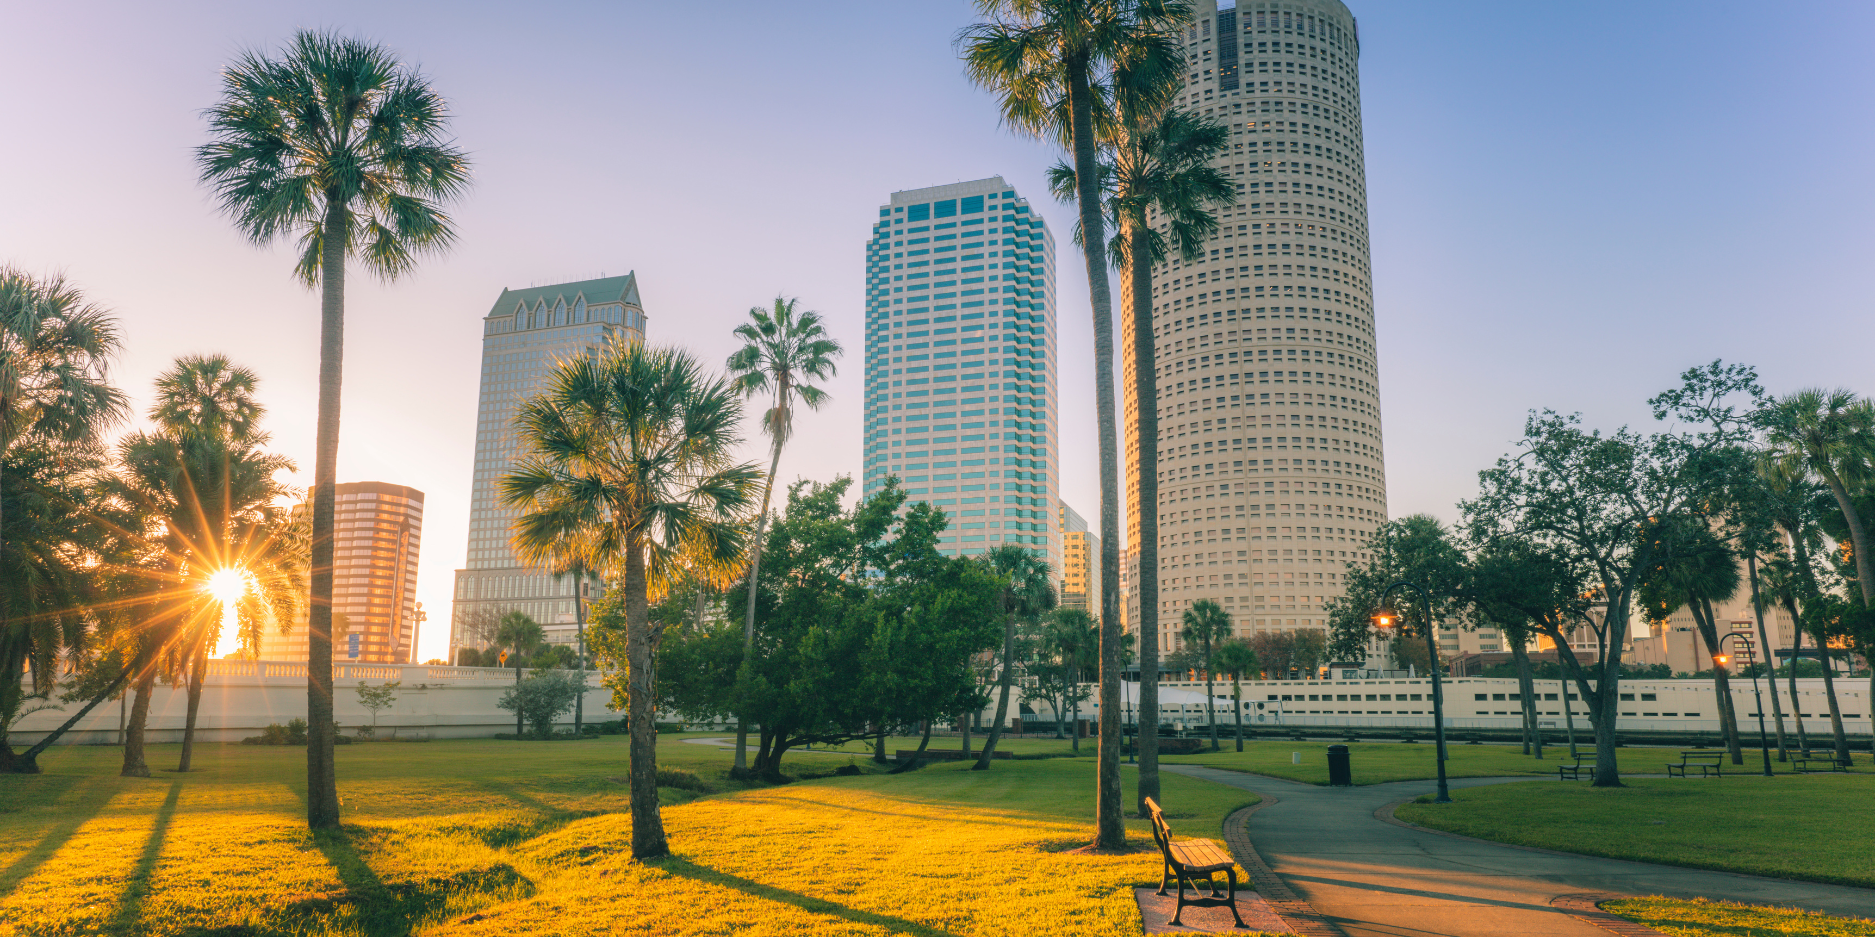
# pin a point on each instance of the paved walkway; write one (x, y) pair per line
(1374, 878)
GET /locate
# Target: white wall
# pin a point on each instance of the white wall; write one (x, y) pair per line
(239, 698)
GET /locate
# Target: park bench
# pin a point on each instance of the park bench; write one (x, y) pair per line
(1585, 764)
(1801, 759)
(1707, 761)
(1193, 857)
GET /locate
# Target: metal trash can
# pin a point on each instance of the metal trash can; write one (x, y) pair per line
(1339, 773)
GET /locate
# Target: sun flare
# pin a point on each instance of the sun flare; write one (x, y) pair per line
(227, 585)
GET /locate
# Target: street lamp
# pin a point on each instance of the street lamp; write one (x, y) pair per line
(1747, 653)
(1386, 619)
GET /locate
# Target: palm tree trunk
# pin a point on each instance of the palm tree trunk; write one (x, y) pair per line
(1110, 824)
(923, 743)
(1858, 538)
(1075, 694)
(1236, 699)
(748, 618)
(28, 761)
(1146, 496)
(322, 794)
(1796, 655)
(520, 734)
(647, 826)
(134, 764)
(964, 720)
(198, 665)
(1006, 681)
(1822, 645)
(1210, 698)
(1721, 681)
(1770, 659)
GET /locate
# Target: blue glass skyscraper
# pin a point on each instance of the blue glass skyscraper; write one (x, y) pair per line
(962, 397)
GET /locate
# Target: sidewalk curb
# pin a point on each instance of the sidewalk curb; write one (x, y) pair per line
(1294, 911)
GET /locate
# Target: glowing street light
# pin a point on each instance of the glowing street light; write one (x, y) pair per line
(1747, 652)
(1386, 619)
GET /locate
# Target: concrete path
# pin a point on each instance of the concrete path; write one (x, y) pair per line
(1374, 878)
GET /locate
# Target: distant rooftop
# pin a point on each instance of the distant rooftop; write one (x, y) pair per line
(605, 290)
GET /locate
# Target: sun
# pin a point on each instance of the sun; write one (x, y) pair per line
(227, 585)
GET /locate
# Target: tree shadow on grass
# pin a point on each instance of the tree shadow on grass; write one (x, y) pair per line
(86, 802)
(549, 817)
(369, 905)
(130, 907)
(688, 869)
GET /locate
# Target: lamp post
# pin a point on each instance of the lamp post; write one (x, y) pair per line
(1747, 653)
(1386, 619)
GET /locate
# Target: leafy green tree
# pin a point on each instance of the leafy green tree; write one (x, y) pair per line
(1235, 658)
(1206, 624)
(1050, 63)
(336, 143)
(1027, 592)
(377, 699)
(627, 470)
(1075, 637)
(1588, 501)
(1417, 549)
(782, 350)
(541, 699)
(1051, 662)
(56, 402)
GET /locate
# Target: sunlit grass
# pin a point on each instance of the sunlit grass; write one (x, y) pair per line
(532, 838)
(1701, 918)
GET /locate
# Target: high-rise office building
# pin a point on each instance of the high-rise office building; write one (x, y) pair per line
(961, 384)
(1270, 464)
(523, 336)
(379, 528)
(1080, 563)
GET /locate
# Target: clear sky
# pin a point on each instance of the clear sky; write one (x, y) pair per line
(1570, 204)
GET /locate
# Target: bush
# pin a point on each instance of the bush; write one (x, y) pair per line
(682, 780)
(542, 699)
(293, 733)
(666, 728)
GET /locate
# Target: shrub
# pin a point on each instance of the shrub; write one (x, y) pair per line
(682, 780)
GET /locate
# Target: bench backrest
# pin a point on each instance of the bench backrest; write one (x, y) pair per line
(1161, 833)
(1701, 756)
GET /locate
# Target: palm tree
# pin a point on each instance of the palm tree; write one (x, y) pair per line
(523, 637)
(339, 144)
(1790, 491)
(55, 394)
(1699, 570)
(1832, 434)
(1050, 64)
(205, 406)
(1076, 636)
(1027, 593)
(1206, 623)
(627, 471)
(782, 349)
(1159, 168)
(1236, 658)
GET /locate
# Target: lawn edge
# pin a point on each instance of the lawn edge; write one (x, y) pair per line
(1385, 814)
(1294, 911)
(1587, 908)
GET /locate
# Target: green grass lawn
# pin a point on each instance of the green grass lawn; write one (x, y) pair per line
(1817, 827)
(487, 837)
(1371, 762)
(1699, 918)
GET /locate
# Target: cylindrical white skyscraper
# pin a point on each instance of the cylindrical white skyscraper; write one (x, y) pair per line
(1270, 463)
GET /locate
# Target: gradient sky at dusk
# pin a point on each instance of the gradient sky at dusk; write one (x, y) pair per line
(1571, 203)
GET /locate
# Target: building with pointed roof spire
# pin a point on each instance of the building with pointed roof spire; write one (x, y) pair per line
(523, 335)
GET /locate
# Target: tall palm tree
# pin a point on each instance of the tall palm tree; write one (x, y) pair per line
(627, 471)
(341, 145)
(1027, 593)
(782, 350)
(1790, 491)
(1699, 571)
(1050, 63)
(1832, 434)
(55, 391)
(1159, 169)
(1206, 624)
(1236, 658)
